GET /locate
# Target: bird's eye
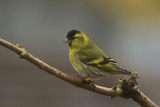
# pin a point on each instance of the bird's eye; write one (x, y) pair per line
(72, 38)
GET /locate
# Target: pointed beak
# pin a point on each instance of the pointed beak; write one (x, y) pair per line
(66, 41)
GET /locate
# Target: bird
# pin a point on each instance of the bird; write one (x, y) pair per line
(88, 59)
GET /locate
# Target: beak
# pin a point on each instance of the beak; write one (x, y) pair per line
(66, 41)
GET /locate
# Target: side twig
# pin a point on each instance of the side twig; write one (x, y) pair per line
(140, 98)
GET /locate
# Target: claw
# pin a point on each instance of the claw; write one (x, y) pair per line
(86, 80)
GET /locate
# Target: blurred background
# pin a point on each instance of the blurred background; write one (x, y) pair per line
(127, 30)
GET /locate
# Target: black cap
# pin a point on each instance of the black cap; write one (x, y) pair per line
(71, 33)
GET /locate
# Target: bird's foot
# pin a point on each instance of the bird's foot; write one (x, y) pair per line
(87, 80)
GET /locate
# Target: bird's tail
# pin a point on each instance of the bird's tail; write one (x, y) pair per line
(133, 74)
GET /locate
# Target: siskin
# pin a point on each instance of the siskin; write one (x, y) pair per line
(88, 59)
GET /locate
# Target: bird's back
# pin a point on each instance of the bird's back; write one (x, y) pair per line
(92, 56)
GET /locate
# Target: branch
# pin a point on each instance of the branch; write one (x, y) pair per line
(137, 96)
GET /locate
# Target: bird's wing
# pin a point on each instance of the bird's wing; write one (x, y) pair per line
(106, 64)
(97, 58)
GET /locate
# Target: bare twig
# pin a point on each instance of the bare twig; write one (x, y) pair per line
(140, 98)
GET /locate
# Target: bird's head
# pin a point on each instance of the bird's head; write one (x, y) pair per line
(76, 39)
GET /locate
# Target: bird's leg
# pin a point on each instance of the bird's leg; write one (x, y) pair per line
(87, 80)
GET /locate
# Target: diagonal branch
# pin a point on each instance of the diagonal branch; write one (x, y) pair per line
(143, 100)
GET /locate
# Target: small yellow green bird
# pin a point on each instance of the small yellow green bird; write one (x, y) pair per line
(88, 59)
